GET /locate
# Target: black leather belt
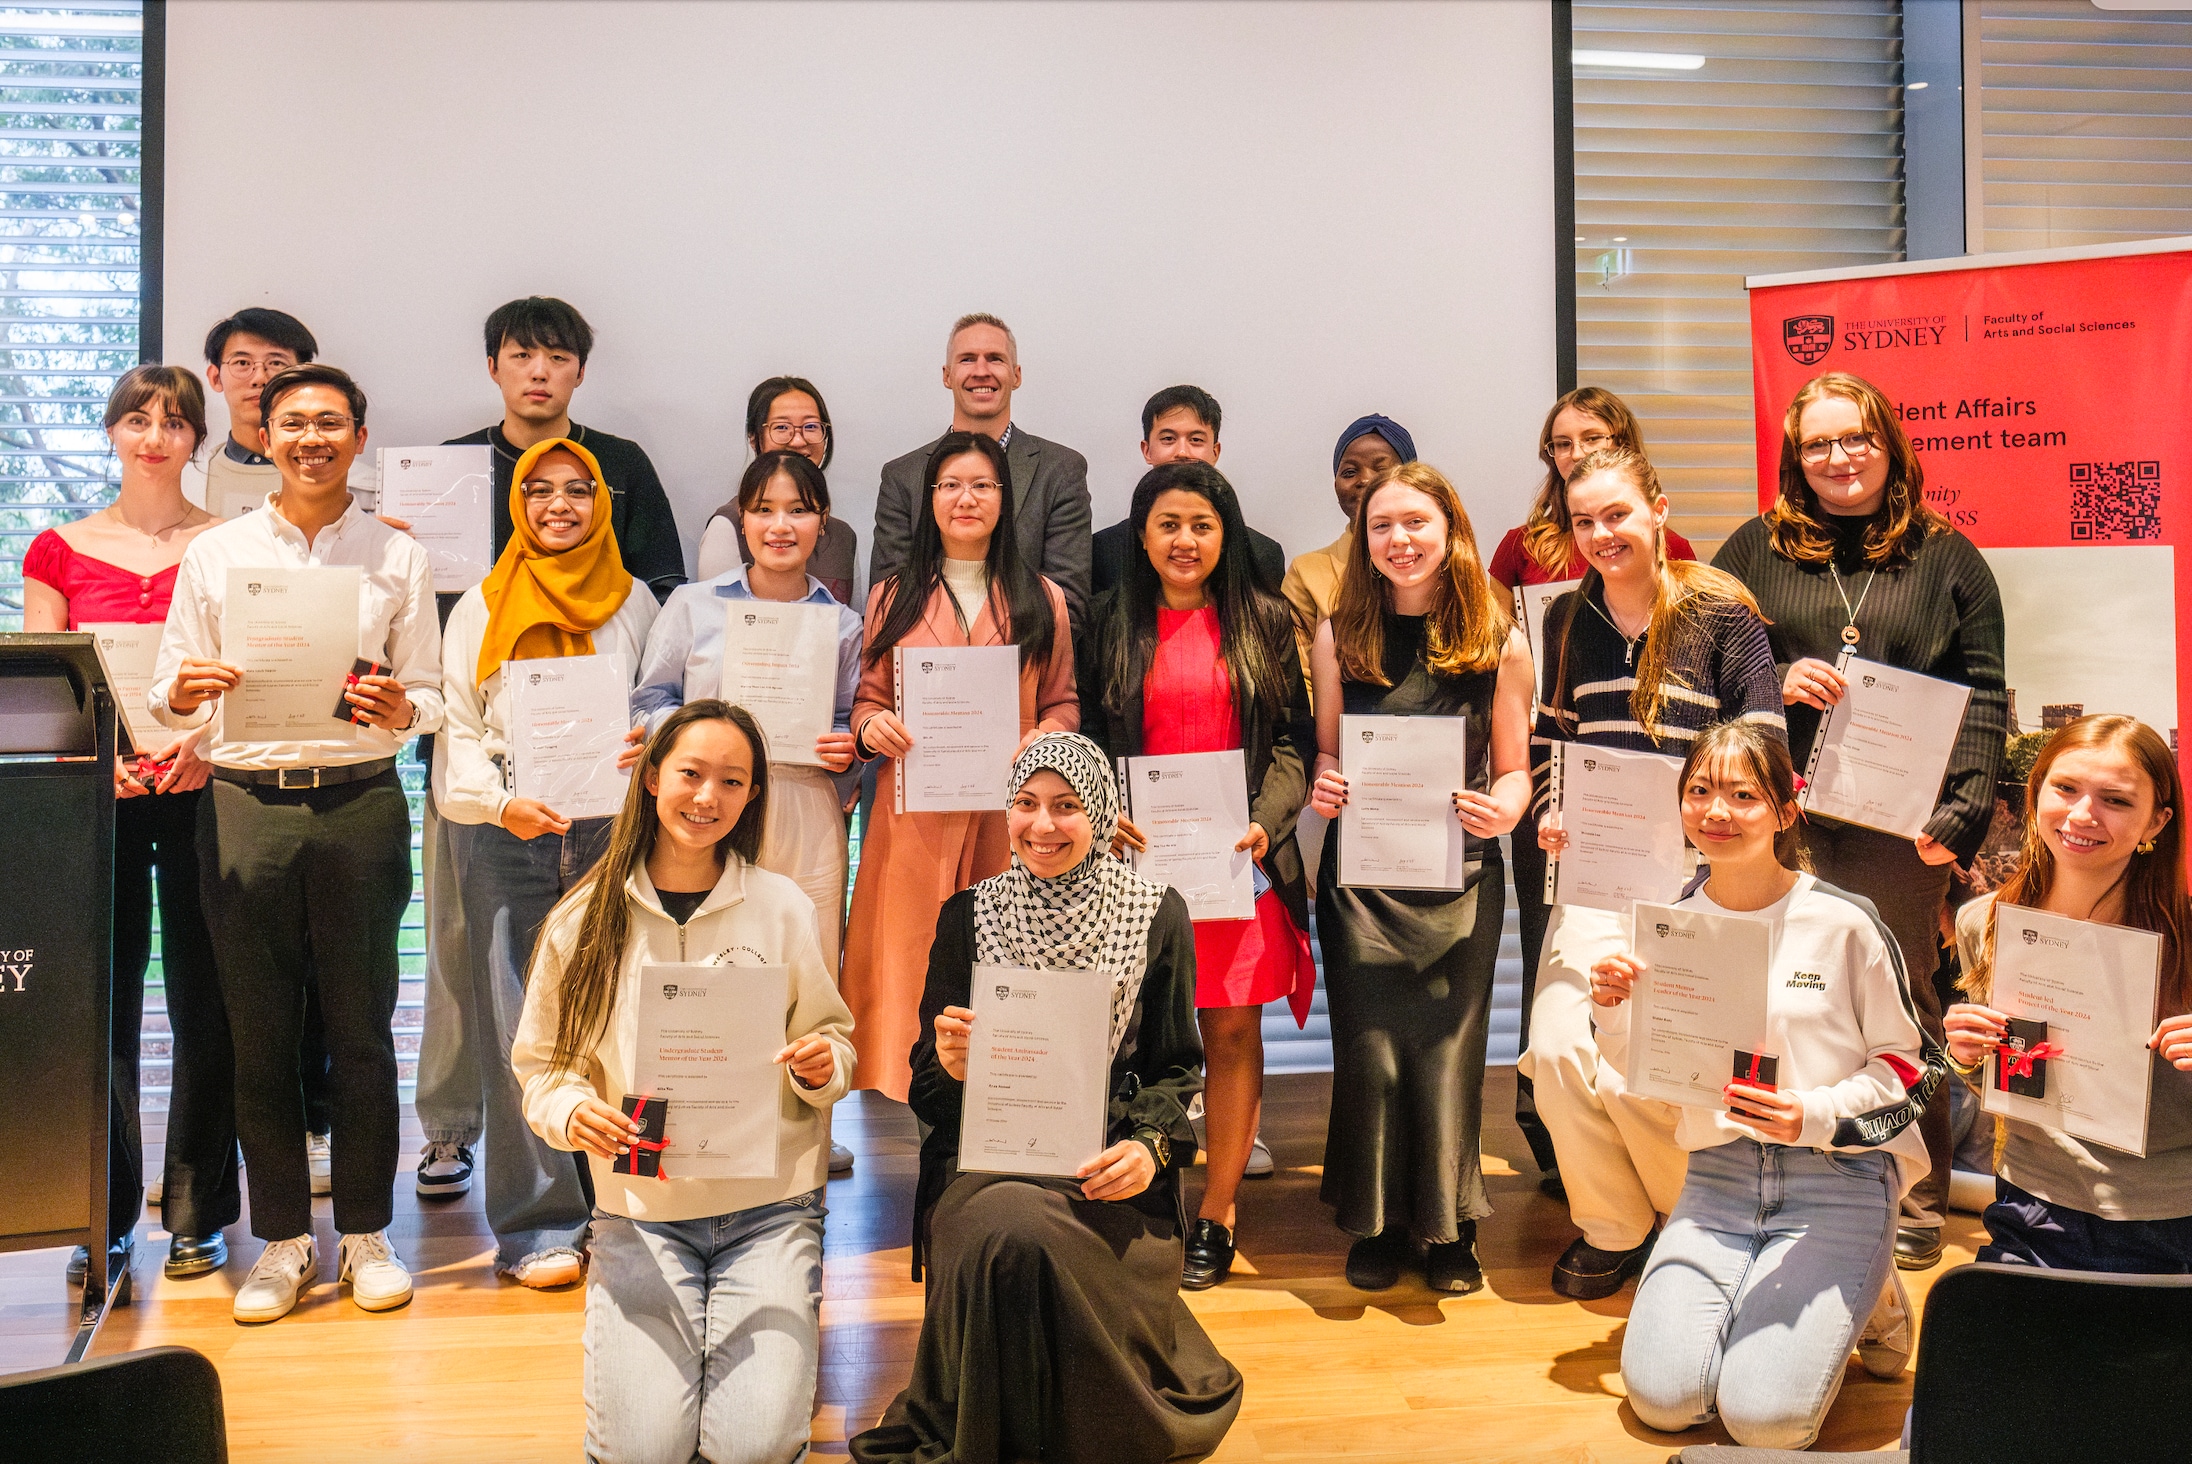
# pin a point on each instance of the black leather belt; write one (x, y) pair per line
(293, 779)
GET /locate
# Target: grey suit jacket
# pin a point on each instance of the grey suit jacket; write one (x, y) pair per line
(1050, 512)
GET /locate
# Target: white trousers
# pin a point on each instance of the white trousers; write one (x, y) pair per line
(805, 842)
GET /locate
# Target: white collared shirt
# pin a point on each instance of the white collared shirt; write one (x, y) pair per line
(396, 625)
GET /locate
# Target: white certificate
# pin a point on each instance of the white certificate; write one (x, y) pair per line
(1701, 1001)
(1881, 753)
(708, 1040)
(1531, 603)
(1398, 830)
(780, 663)
(294, 633)
(1038, 1064)
(1622, 813)
(2094, 986)
(127, 651)
(447, 495)
(1192, 808)
(961, 707)
(568, 717)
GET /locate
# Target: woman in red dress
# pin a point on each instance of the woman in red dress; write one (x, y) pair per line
(1192, 652)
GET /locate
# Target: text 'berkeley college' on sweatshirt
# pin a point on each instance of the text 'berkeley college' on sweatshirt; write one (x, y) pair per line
(1840, 1019)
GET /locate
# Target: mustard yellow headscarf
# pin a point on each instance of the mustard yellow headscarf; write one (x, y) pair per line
(541, 604)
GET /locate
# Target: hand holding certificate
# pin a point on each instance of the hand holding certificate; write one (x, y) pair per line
(1038, 1058)
(1622, 813)
(1700, 1003)
(128, 652)
(293, 633)
(961, 708)
(446, 495)
(780, 663)
(1192, 808)
(568, 717)
(1881, 753)
(708, 1042)
(1398, 829)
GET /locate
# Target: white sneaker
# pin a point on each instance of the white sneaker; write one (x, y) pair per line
(840, 1158)
(1884, 1346)
(445, 1171)
(319, 1159)
(375, 1272)
(155, 1189)
(1260, 1164)
(284, 1270)
(544, 1269)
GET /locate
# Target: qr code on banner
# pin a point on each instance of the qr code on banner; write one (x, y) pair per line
(2115, 501)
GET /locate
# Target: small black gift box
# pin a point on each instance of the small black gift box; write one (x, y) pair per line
(2016, 1071)
(1759, 1069)
(347, 710)
(644, 1155)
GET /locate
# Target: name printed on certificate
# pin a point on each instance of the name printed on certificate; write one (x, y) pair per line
(568, 717)
(1622, 813)
(1881, 753)
(446, 494)
(707, 1050)
(128, 651)
(2082, 996)
(294, 634)
(1398, 830)
(1038, 1061)
(780, 663)
(961, 707)
(1192, 808)
(1701, 1001)
(1531, 603)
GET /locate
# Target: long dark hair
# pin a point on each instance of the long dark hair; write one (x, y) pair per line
(1765, 761)
(814, 489)
(589, 985)
(1014, 586)
(1255, 627)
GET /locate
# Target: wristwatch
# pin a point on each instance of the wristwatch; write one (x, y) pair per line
(1160, 1145)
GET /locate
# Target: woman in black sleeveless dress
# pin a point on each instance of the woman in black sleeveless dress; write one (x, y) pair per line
(1408, 973)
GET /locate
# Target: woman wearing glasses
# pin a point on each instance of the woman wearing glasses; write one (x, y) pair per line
(786, 414)
(1850, 559)
(559, 589)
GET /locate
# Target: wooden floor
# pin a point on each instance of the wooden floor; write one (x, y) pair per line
(477, 1369)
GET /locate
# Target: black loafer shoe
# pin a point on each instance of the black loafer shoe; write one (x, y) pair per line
(1209, 1256)
(1452, 1265)
(1374, 1262)
(1918, 1249)
(195, 1255)
(1586, 1273)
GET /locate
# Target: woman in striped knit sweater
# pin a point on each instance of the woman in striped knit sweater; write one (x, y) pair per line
(1643, 658)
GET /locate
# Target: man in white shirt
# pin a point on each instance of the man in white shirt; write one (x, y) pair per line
(306, 843)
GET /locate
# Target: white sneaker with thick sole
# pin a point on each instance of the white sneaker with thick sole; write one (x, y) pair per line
(1260, 1164)
(445, 1171)
(283, 1272)
(319, 1158)
(549, 1268)
(840, 1158)
(1884, 1346)
(155, 1190)
(378, 1280)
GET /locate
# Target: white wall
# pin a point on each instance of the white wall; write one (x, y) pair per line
(1314, 210)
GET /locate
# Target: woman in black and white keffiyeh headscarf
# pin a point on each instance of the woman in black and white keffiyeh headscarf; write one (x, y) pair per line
(1053, 1324)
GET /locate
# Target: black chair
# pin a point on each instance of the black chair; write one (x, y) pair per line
(163, 1404)
(2023, 1366)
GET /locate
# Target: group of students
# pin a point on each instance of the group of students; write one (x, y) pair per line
(1767, 1235)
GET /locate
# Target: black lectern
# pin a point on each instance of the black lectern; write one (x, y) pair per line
(57, 747)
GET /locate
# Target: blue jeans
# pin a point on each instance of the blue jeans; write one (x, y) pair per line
(535, 1195)
(703, 1337)
(1757, 1290)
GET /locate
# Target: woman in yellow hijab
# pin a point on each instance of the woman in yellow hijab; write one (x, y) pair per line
(560, 589)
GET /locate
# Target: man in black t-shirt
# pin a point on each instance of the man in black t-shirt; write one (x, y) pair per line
(1179, 424)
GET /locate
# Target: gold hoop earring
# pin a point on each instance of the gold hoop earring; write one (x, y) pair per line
(2147, 847)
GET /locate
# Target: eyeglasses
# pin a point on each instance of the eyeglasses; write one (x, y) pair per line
(1853, 444)
(980, 487)
(1589, 442)
(574, 493)
(782, 433)
(246, 366)
(327, 424)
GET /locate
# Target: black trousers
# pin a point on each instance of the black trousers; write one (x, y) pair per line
(1534, 915)
(304, 884)
(160, 832)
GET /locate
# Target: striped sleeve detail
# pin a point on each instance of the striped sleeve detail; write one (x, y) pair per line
(1871, 1130)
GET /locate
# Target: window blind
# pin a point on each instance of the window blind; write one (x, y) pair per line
(1713, 141)
(2086, 123)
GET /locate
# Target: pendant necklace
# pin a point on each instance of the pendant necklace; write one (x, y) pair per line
(1849, 631)
(1628, 642)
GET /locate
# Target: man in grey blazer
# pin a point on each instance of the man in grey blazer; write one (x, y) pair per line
(1050, 505)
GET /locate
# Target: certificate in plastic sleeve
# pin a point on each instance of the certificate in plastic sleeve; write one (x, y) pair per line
(128, 651)
(1398, 830)
(294, 633)
(708, 1040)
(568, 717)
(1881, 753)
(1531, 603)
(780, 663)
(961, 707)
(447, 495)
(1192, 808)
(1622, 813)
(1038, 1061)
(2094, 987)
(1701, 1000)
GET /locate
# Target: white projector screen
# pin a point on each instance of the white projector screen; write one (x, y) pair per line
(1313, 210)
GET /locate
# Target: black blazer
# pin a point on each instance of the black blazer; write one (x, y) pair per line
(1278, 756)
(1111, 546)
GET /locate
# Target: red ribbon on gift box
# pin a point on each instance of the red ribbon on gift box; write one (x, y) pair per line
(652, 1146)
(2019, 1064)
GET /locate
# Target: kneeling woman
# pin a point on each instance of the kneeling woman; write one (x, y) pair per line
(1784, 1234)
(1053, 1326)
(703, 1302)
